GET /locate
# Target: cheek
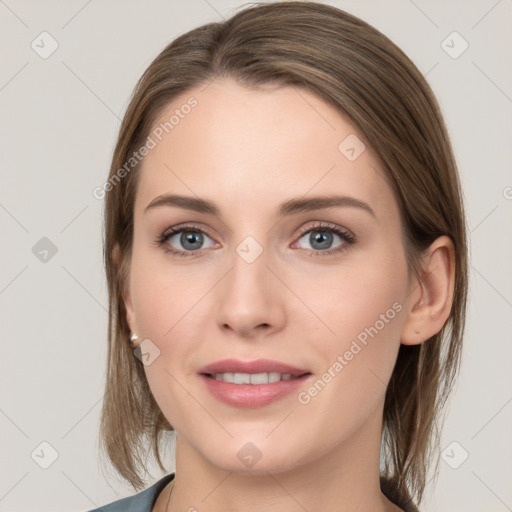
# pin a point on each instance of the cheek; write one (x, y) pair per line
(170, 304)
(364, 311)
(361, 305)
(162, 294)
(163, 300)
(354, 297)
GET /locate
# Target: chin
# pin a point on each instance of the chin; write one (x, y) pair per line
(253, 458)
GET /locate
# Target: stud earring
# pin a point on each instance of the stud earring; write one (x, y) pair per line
(133, 339)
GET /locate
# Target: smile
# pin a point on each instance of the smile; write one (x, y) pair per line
(253, 378)
(246, 390)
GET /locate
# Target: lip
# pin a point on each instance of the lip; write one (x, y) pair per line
(251, 395)
(257, 366)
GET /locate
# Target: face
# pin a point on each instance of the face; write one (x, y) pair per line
(265, 272)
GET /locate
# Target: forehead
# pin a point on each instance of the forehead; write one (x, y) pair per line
(258, 148)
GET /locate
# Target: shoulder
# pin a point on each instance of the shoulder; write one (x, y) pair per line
(140, 502)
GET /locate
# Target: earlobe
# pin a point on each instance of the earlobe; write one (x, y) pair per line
(432, 294)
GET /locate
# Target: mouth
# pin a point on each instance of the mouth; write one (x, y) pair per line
(251, 384)
(254, 379)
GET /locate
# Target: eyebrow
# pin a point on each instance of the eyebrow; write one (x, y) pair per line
(290, 207)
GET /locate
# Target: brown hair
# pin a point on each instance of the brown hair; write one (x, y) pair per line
(368, 79)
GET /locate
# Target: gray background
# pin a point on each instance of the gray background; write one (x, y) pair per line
(60, 116)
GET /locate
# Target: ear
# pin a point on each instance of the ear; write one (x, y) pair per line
(430, 296)
(124, 274)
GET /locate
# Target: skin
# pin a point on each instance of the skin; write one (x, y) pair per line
(248, 151)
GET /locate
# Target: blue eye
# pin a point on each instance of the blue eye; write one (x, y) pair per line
(321, 237)
(190, 238)
(187, 241)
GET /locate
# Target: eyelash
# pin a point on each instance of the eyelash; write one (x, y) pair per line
(347, 237)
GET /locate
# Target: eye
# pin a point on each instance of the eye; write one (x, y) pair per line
(321, 237)
(188, 241)
(183, 241)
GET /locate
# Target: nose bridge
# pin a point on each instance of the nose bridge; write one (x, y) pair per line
(248, 296)
(249, 272)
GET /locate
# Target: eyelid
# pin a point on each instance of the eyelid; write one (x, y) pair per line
(184, 227)
(327, 226)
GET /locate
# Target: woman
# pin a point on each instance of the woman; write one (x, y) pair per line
(285, 248)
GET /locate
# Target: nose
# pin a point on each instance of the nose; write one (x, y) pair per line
(250, 299)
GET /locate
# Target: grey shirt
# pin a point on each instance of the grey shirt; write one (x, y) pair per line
(140, 502)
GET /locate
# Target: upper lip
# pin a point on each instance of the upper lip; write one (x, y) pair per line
(256, 366)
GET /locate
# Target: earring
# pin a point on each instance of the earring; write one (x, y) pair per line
(133, 339)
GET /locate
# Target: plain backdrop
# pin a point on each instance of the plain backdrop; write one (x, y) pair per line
(60, 115)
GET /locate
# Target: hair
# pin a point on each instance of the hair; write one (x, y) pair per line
(369, 80)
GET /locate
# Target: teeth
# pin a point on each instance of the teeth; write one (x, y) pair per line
(241, 378)
(253, 378)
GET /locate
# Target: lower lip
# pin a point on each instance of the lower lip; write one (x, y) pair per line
(252, 395)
